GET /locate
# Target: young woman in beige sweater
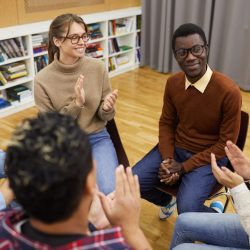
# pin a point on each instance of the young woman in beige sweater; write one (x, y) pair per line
(77, 85)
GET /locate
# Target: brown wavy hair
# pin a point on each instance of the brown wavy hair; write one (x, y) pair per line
(58, 27)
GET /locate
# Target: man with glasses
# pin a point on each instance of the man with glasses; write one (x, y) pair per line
(201, 111)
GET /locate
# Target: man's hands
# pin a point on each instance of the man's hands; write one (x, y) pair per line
(224, 175)
(170, 171)
(79, 92)
(110, 101)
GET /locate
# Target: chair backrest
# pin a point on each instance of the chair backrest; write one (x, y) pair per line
(115, 137)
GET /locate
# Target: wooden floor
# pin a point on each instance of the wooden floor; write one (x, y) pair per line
(138, 111)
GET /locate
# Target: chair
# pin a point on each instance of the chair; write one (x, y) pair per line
(217, 190)
(115, 137)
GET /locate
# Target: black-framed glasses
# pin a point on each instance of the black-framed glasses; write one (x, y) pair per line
(196, 50)
(75, 38)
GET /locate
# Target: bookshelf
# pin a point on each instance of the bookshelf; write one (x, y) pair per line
(114, 39)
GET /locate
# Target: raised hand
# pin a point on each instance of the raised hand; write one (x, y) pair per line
(239, 161)
(224, 175)
(124, 209)
(110, 101)
(126, 201)
(79, 92)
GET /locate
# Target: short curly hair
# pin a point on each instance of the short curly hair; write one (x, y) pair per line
(187, 29)
(47, 162)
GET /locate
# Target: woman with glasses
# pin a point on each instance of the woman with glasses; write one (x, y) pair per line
(78, 86)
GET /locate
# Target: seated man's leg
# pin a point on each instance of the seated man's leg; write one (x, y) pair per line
(147, 171)
(216, 229)
(196, 186)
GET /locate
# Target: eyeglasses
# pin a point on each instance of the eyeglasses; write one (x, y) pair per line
(196, 50)
(75, 38)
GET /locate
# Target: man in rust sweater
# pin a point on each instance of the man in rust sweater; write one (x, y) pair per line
(201, 111)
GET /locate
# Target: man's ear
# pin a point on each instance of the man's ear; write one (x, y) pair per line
(207, 49)
(90, 187)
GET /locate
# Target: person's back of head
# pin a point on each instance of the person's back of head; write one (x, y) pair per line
(47, 163)
(186, 30)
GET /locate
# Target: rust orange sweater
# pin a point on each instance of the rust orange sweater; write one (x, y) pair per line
(206, 120)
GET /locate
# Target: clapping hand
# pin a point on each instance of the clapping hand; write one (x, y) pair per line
(79, 92)
(124, 209)
(110, 101)
(239, 161)
(224, 175)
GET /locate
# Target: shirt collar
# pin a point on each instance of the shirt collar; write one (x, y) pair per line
(202, 83)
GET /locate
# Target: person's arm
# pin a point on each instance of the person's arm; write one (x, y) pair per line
(229, 130)
(241, 197)
(106, 113)
(124, 209)
(73, 108)
(6, 194)
(167, 125)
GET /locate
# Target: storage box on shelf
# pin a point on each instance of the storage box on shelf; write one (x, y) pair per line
(24, 48)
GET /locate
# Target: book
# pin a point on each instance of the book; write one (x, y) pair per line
(20, 44)
(3, 79)
(116, 46)
(15, 47)
(15, 75)
(13, 67)
(5, 49)
(125, 47)
(9, 48)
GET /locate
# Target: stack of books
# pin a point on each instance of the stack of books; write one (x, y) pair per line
(12, 71)
(122, 59)
(94, 50)
(120, 26)
(11, 48)
(94, 30)
(18, 93)
(39, 43)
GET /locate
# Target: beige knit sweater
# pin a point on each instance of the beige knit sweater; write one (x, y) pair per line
(54, 91)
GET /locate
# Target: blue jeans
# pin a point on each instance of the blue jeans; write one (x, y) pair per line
(106, 160)
(195, 186)
(219, 231)
(2, 159)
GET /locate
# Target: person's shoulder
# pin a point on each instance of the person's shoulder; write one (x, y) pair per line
(224, 82)
(223, 79)
(95, 63)
(178, 77)
(176, 80)
(43, 73)
(112, 238)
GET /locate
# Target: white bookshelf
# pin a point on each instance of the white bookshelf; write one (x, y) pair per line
(124, 37)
